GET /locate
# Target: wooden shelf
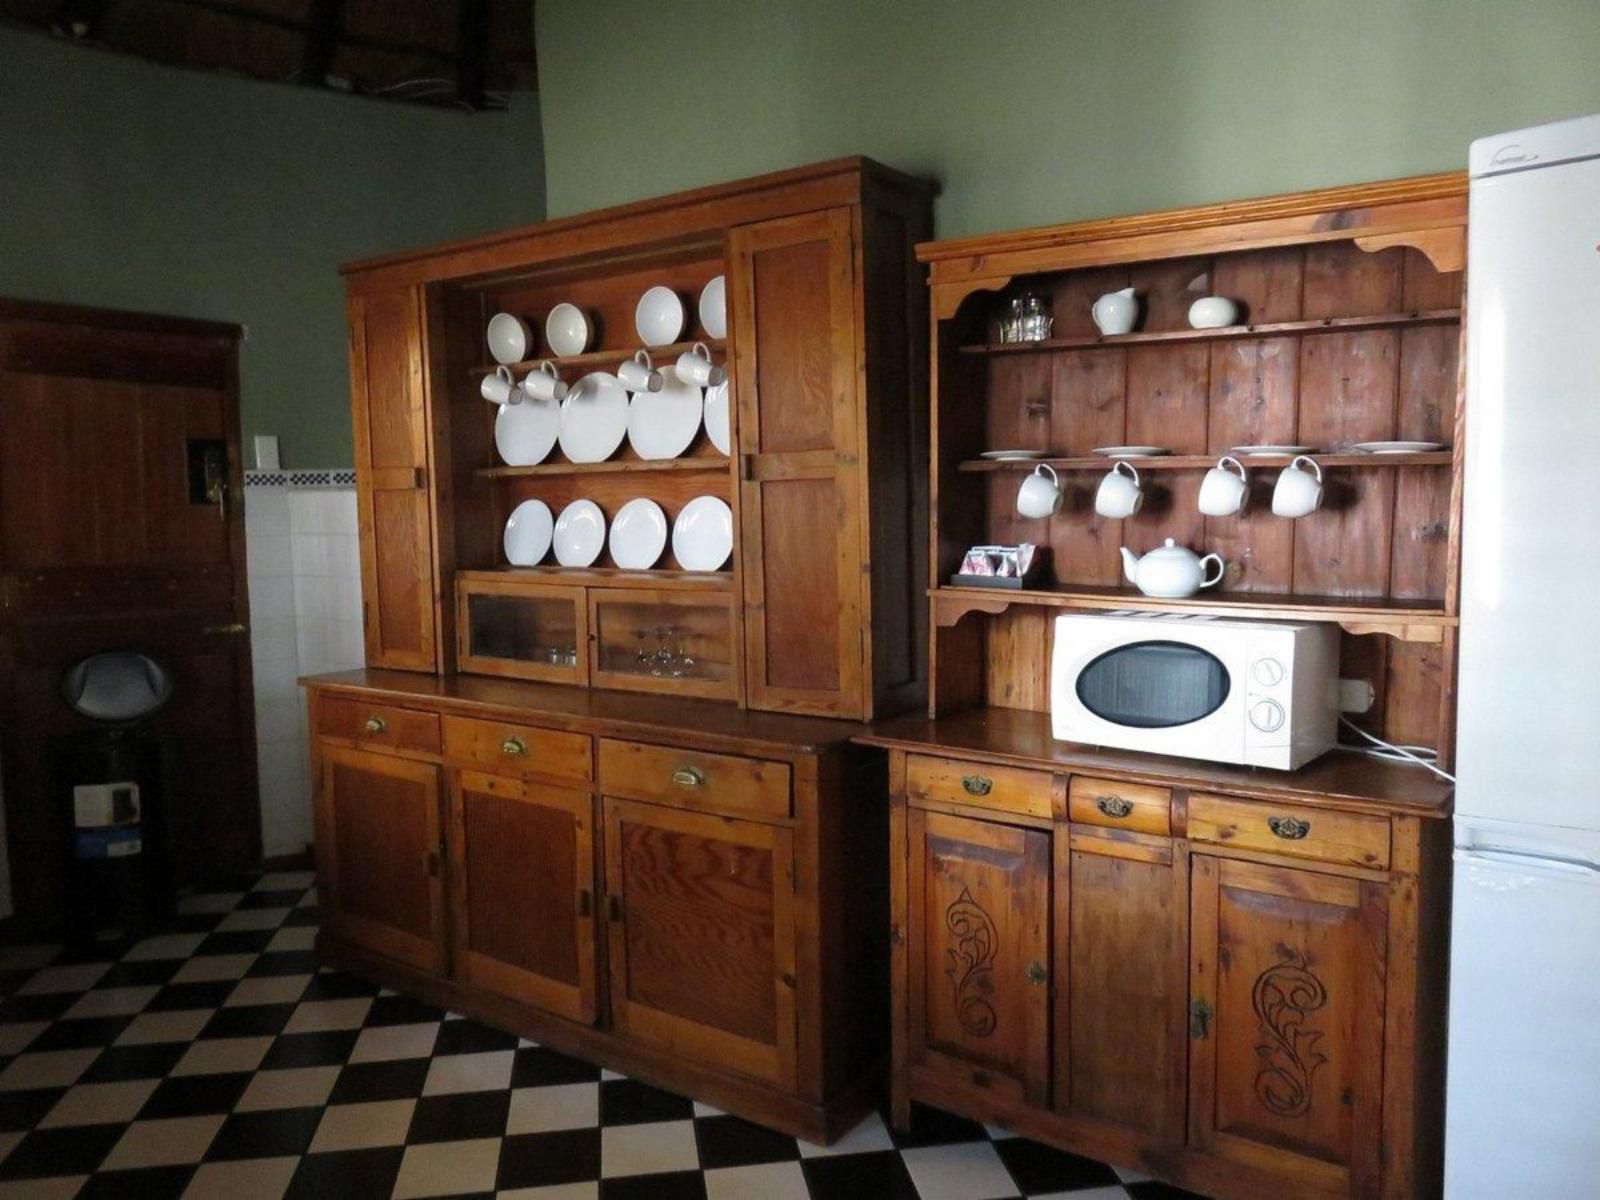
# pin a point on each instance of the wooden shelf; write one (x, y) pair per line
(619, 466)
(608, 577)
(660, 355)
(1442, 316)
(1408, 620)
(1200, 462)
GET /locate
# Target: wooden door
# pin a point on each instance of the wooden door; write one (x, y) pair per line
(399, 582)
(1287, 1001)
(522, 891)
(702, 942)
(121, 528)
(379, 847)
(978, 930)
(797, 379)
(1122, 954)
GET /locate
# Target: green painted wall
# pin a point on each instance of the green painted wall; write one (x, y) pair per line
(1036, 111)
(129, 185)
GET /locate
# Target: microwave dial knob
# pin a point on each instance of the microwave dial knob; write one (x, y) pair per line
(1267, 715)
(1268, 672)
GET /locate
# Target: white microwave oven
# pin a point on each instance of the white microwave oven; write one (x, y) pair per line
(1260, 693)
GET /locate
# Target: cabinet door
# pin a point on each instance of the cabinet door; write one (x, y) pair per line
(797, 378)
(522, 891)
(1122, 966)
(378, 848)
(702, 936)
(388, 412)
(1286, 1022)
(978, 925)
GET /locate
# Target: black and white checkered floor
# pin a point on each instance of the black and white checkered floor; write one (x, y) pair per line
(216, 1060)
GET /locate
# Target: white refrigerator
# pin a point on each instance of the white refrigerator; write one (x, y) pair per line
(1523, 1111)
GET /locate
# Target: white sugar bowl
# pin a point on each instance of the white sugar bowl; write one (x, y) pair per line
(1213, 312)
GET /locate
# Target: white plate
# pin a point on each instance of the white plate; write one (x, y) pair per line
(717, 417)
(663, 424)
(1397, 447)
(509, 339)
(1131, 451)
(1272, 448)
(566, 329)
(528, 532)
(714, 308)
(1011, 455)
(638, 534)
(579, 534)
(525, 433)
(702, 536)
(594, 418)
(659, 317)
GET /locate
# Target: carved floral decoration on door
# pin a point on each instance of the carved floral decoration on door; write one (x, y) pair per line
(1284, 995)
(971, 968)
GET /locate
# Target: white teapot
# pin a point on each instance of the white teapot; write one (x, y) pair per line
(1170, 571)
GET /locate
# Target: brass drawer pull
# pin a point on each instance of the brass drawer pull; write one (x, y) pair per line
(1036, 973)
(514, 746)
(1113, 806)
(1288, 828)
(689, 777)
(376, 724)
(977, 785)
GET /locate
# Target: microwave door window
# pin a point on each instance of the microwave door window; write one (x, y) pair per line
(1153, 685)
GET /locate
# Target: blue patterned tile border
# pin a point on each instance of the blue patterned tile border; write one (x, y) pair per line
(329, 477)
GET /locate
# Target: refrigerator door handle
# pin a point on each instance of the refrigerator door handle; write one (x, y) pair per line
(1518, 858)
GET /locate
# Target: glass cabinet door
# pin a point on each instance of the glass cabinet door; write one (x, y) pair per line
(659, 641)
(507, 627)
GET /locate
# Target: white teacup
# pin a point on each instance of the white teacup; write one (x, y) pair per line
(1038, 496)
(639, 374)
(1119, 494)
(696, 366)
(542, 383)
(1223, 493)
(1298, 490)
(501, 387)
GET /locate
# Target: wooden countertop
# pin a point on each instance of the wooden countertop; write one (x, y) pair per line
(591, 710)
(1014, 736)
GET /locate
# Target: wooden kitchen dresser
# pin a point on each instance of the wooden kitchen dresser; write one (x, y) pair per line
(1230, 979)
(597, 805)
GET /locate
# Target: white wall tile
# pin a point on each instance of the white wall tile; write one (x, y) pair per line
(272, 639)
(266, 511)
(268, 554)
(271, 596)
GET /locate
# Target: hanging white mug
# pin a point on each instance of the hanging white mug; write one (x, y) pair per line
(1222, 492)
(639, 374)
(542, 383)
(1119, 494)
(1298, 490)
(1038, 496)
(695, 365)
(501, 387)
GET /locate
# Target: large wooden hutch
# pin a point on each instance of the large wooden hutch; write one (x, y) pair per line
(672, 874)
(1229, 978)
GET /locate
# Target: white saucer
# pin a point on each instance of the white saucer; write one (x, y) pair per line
(525, 433)
(702, 536)
(1011, 455)
(714, 308)
(1272, 448)
(638, 534)
(1131, 451)
(594, 418)
(658, 318)
(1397, 447)
(528, 531)
(663, 424)
(580, 533)
(717, 417)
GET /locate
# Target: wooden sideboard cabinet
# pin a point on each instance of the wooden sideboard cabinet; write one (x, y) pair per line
(1232, 980)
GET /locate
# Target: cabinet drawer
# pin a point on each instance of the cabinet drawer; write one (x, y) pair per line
(978, 784)
(694, 779)
(1119, 805)
(506, 748)
(378, 725)
(1290, 829)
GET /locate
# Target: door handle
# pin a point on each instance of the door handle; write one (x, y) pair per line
(230, 627)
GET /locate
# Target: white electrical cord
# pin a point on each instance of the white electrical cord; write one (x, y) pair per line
(1392, 753)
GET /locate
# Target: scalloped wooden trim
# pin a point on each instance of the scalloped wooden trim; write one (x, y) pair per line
(948, 610)
(1405, 631)
(947, 297)
(1444, 246)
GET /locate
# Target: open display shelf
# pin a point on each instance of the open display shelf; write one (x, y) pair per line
(568, 364)
(1203, 462)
